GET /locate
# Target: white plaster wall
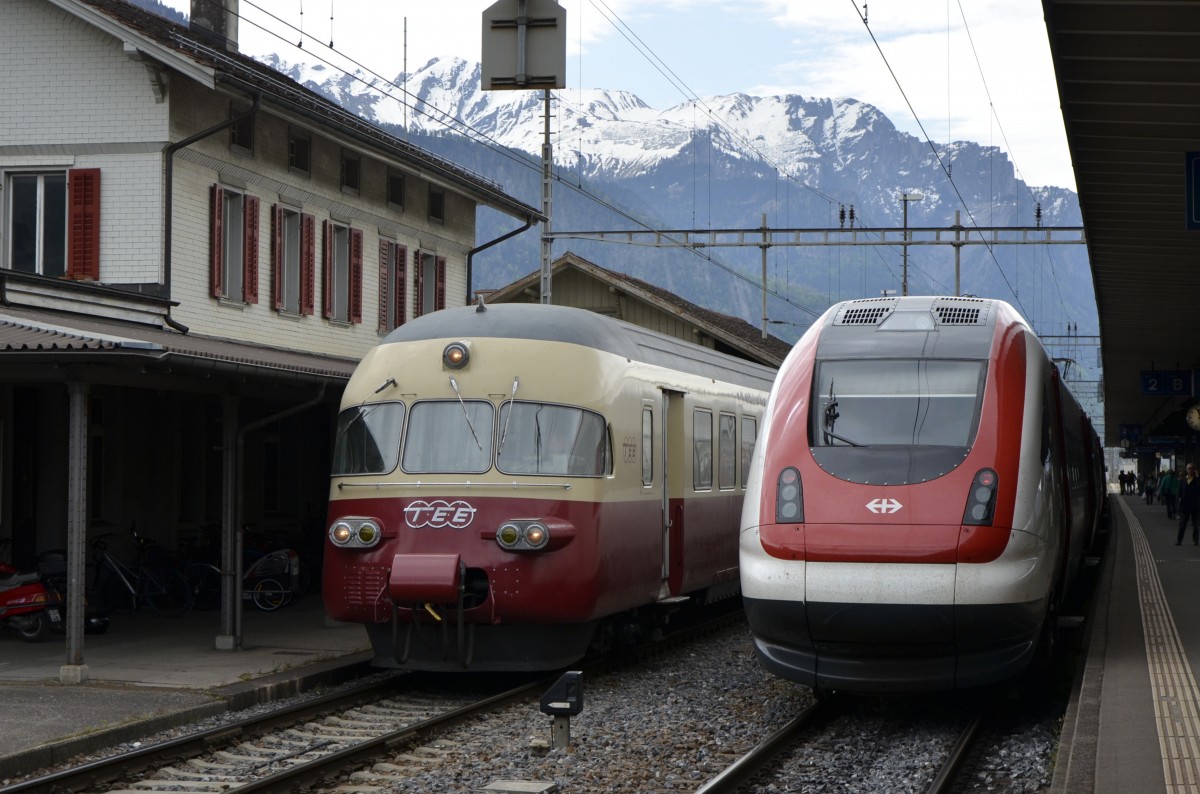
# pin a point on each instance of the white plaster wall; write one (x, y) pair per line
(65, 82)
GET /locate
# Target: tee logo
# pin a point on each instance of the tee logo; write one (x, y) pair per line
(438, 514)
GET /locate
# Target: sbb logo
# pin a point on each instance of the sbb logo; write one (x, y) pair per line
(438, 514)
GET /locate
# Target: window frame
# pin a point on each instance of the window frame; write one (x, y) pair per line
(727, 452)
(699, 481)
(240, 235)
(342, 273)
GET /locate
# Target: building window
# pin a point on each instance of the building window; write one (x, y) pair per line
(395, 189)
(350, 171)
(393, 285)
(52, 223)
(234, 245)
(37, 223)
(343, 273)
(437, 205)
(241, 134)
(702, 457)
(430, 283)
(292, 259)
(299, 152)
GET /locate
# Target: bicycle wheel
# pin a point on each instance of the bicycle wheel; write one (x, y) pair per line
(268, 595)
(205, 580)
(166, 590)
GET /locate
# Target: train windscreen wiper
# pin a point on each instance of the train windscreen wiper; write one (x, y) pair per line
(831, 417)
(466, 413)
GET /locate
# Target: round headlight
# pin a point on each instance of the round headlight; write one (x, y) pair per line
(536, 535)
(368, 533)
(508, 535)
(340, 532)
(456, 355)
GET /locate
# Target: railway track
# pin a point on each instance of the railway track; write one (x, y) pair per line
(285, 749)
(804, 735)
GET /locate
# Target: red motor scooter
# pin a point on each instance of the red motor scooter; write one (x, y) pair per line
(27, 605)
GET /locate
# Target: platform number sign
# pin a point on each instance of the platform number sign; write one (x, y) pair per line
(1167, 383)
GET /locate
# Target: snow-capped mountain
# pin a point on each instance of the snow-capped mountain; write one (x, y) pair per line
(725, 162)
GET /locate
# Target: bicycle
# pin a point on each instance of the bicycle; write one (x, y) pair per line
(270, 581)
(117, 584)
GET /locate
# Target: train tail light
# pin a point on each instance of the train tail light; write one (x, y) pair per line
(981, 502)
(355, 533)
(789, 498)
(523, 535)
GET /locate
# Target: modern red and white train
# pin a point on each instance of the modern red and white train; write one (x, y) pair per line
(515, 483)
(921, 497)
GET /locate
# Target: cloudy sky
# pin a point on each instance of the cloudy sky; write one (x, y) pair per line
(978, 70)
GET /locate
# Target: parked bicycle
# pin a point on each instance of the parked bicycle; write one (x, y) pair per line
(271, 581)
(149, 581)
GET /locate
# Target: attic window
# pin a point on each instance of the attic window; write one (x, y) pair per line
(437, 205)
(299, 152)
(351, 167)
(241, 135)
(395, 189)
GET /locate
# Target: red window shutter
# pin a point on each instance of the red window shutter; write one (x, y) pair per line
(440, 286)
(385, 269)
(276, 257)
(217, 254)
(83, 224)
(401, 289)
(250, 250)
(327, 270)
(308, 264)
(418, 285)
(356, 271)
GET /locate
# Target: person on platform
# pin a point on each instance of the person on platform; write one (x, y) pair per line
(1168, 491)
(1189, 504)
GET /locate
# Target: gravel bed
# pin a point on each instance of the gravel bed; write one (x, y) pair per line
(679, 721)
(683, 718)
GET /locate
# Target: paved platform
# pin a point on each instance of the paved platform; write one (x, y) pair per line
(1134, 722)
(148, 673)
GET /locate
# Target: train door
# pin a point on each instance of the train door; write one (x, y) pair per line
(673, 448)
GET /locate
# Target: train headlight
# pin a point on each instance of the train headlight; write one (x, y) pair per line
(340, 533)
(457, 355)
(789, 498)
(981, 501)
(356, 533)
(522, 534)
(509, 535)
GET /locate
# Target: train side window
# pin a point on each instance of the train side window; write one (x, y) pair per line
(702, 453)
(647, 446)
(368, 439)
(749, 437)
(727, 452)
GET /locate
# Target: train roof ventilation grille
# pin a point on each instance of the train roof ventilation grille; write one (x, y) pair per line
(975, 312)
(866, 312)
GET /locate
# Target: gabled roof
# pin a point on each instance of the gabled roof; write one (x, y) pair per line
(731, 331)
(180, 48)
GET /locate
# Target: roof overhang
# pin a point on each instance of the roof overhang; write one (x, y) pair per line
(1129, 88)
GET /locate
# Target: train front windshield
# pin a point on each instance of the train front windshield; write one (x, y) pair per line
(467, 437)
(894, 421)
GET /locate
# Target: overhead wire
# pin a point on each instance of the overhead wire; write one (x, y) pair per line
(452, 122)
(941, 163)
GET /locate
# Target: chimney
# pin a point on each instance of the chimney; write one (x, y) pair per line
(216, 22)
